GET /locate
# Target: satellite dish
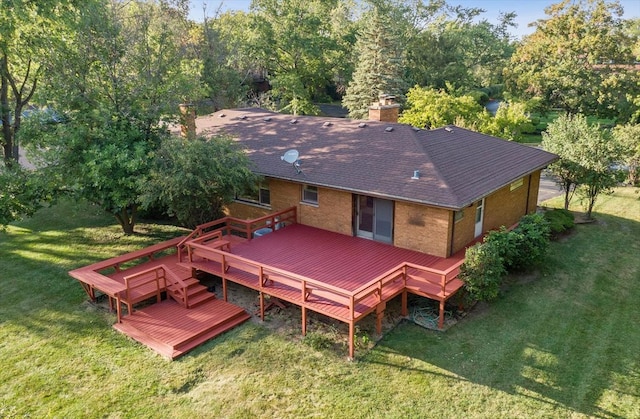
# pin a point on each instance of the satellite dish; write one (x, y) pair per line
(291, 156)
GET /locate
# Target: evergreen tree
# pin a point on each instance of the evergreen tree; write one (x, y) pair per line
(379, 64)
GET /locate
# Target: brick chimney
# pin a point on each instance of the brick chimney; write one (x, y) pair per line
(386, 110)
(188, 121)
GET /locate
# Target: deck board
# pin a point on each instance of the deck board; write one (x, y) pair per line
(173, 330)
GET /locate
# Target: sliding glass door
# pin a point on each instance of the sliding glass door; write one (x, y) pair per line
(374, 218)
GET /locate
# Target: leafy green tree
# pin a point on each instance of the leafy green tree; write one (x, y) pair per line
(429, 108)
(379, 65)
(578, 60)
(510, 122)
(295, 42)
(29, 32)
(22, 193)
(563, 137)
(628, 138)
(227, 66)
(587, 158)
(453, 49)
(195, 179)
(122, 71)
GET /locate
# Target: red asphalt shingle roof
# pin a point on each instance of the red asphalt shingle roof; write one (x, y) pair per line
(457, 166)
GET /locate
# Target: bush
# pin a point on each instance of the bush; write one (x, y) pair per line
(532, 240)
(560, 220)
(483, 271)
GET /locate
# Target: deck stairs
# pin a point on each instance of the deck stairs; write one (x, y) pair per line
(190, 316)
(188, 292)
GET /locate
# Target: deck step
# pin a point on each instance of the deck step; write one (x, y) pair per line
(217, 330)
(172, 330)
(139, 335)
(201, 296)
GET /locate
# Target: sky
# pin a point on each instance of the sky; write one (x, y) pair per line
(527, 10)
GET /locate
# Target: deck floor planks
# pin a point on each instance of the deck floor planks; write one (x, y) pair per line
(339, 260)
(167, 326)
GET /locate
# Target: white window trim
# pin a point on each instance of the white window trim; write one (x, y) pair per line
(310, 202)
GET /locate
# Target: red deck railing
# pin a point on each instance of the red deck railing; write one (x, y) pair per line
(349, 306)
(238, 227)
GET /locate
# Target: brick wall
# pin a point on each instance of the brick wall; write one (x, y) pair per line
(464, 228)
(534, 188)
(333, 212)
(422, 228)
(505, 207)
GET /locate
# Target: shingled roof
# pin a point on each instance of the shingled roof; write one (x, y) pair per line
(457, 166)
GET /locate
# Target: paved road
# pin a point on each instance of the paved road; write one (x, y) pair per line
(548, 188)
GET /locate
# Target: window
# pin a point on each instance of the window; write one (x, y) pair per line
(310, 194)
(515, 185)
(458, 215)
(260, 195)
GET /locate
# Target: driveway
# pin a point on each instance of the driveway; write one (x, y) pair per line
(548, 187)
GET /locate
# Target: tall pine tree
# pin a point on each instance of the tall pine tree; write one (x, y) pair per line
(379, 63)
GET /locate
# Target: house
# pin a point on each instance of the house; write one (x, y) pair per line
(433, 191)
(335, 194)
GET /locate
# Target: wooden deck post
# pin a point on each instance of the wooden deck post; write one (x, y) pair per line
(379, 315)
(304, 321)
(351, 343)
(261, 305)
(224, 288)
(441, 319)
(404, 311)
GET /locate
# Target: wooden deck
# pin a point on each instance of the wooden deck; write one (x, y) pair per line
(181, 319)
(343, 277)
(172, 330)
(340, 276)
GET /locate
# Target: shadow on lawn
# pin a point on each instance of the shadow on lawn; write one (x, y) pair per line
(568, 339)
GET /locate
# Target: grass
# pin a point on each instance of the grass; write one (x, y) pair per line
(561, 343)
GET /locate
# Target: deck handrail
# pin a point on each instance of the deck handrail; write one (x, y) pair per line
(246, 227)
(130, 287)
(305, 283)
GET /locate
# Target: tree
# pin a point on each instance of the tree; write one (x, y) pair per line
(451, 49)
(195, 179)
(628, 138)
(295, 42)
(587, 157)
(563, 137)
(29, 32)
(380, 63)
(510, 122)
(21, 193)
(120, 74)
(227, 67)
(578, 60)
(429, 108)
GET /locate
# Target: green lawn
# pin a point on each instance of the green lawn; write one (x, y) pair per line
(562, 343)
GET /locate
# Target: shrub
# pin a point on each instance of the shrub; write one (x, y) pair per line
(532, 240)
(505, 243)
(560, 220)
(482, 271)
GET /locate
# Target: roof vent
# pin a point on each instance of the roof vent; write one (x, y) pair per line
(416, 129)
(243, 117)
(388, 129)
(222, 115)
(267, 119)
(448, 129)
(293, 121)
(327, 124)
(416, 174)
(362, 125)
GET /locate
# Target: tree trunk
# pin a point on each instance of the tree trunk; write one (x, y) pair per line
(127, 219)
(5, 115)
